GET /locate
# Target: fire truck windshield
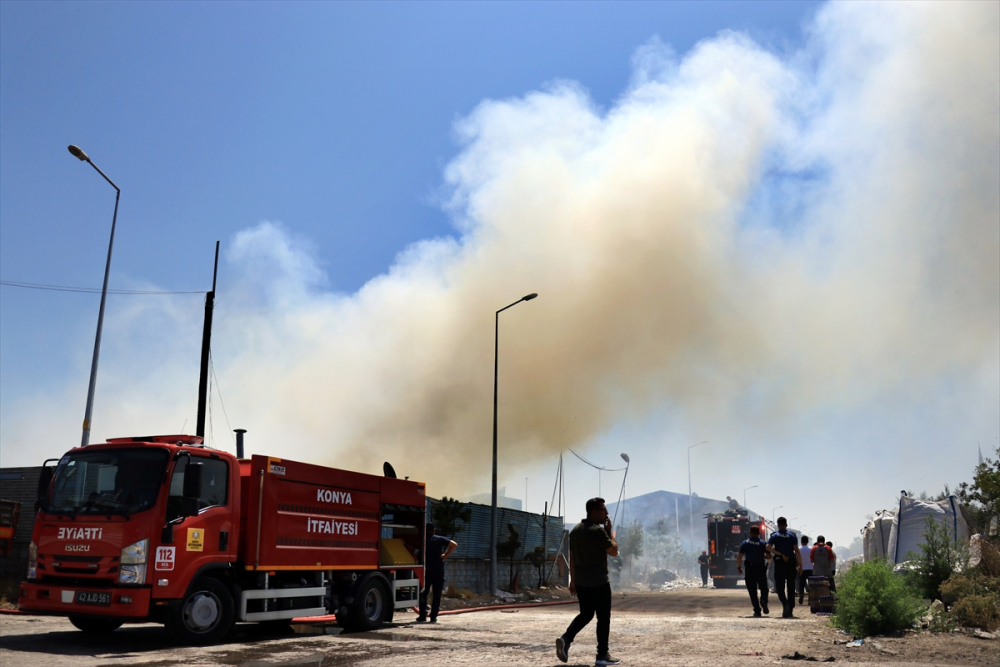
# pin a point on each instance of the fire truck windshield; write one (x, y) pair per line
(109, 481)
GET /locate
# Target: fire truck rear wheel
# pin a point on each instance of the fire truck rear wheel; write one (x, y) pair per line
(371, 605)
(205, 615)
(95, 625)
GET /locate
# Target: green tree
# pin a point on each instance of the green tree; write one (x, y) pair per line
(940, 557)
(631, 545)
(508, 548)
(448, 513)
(663, 545)
(857, 546)
(983, 496)
(537, 558)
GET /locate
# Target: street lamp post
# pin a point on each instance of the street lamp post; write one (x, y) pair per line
(745, 496)
(690, 510)
(493, 505)
(621, 495)
(104, 296)
(773, 512)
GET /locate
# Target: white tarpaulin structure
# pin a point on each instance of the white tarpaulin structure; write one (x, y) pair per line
(876, 535)
(908, 524)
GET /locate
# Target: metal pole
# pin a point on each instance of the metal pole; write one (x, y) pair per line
(206, 346)
(745, 496)
(85, 440)
(493, 504)
(545, 543)
(690, 510)
(493, 487)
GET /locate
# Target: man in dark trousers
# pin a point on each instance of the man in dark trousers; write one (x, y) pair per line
(703, 562)
(754, 551)
(438, 549)
(784, 549)
(807, 567)
(590, 543)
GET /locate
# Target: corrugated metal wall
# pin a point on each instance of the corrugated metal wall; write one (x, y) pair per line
(474, 539)
(21, 485)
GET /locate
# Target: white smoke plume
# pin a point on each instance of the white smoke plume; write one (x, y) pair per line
(743, 240)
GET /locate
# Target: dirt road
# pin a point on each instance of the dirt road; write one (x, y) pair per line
(702, 627)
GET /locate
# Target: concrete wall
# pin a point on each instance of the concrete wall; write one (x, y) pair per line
(474, 574)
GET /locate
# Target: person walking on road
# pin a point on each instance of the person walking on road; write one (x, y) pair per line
(833, 567)
(784, 549)
(703, 562)
(754, 551)
(437, 551)
(821, 559)
(590, 543)
(807, 567)
(820, 556)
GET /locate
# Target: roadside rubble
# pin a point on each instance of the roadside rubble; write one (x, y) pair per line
(677, 584)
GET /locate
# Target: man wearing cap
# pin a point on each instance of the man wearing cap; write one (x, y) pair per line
(438, 549)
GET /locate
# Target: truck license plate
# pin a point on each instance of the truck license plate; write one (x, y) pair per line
(93, 597)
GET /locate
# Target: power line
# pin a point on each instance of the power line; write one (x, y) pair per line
(87, 290)
(594, 465)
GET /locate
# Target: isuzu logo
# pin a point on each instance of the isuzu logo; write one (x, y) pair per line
(74, 533)
(338, 497)
(77, 547)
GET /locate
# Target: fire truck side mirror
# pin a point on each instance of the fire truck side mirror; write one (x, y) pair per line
(192, 488)
(44, 480)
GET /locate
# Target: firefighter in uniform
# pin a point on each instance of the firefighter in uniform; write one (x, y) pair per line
(784, 548)
(754, 552)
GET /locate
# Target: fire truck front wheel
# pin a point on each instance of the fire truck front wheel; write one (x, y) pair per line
(95, 625)
(205, 615)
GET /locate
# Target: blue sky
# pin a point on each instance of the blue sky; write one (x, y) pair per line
(334, 118)
(324, 144)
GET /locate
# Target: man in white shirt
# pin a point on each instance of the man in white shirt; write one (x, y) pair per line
(807, 568)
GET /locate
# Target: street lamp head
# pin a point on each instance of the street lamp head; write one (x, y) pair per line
(529, 297)
(75, 150)
(625, 457)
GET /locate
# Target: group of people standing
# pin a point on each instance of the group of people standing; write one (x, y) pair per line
(793, 564)
(592, 541)
(822, 562)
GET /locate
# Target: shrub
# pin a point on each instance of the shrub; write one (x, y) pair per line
(977, 599)
(871, 600)
(978, 611)
(962, 585)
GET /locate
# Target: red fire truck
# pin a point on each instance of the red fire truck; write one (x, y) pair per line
(164, 529)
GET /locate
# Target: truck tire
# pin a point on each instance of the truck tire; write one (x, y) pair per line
(96, 626)
(205, 615)
(371, 606)
(725, 583)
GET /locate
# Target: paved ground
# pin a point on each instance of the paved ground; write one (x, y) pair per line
(686, 627)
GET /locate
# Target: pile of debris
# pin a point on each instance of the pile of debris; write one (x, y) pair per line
(677, 584)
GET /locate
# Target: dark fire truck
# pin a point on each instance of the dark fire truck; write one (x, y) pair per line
(726, 531)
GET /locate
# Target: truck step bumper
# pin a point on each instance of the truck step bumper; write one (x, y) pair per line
(80, 600)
